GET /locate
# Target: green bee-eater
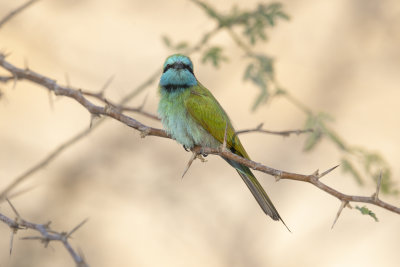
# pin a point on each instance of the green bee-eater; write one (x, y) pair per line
(193, 117)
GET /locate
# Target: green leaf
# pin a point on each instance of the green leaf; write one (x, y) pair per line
(374, 164)
(312, 140)
(280, 91)
(256, 22)
(365, 211)
(261, 73)
(166, 41)
(318, 124)
(336, 139)
(313, 122)
(214, 55)
(181, 46)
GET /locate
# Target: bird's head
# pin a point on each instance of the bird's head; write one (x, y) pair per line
(177, 73)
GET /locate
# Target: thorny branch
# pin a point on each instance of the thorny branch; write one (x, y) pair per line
(313, 178)
(117, 108)
(260, 129)
(113, 112)
(46, 234)
(44, 162)
(16, 11)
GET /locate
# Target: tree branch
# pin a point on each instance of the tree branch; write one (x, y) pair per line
(20, 74)
(15, 12)
(113, 112)
(313, 178)
(107, 110)
(46, 234)
(5, 79)
(260, 129)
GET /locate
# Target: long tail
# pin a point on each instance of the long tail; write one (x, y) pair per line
(257, 190)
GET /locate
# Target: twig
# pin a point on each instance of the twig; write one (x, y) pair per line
(46, 234)
(76, 227)
(20, 192)
(99, 95)
(5, 79)
(13, 208)
(192, 158)
(142, 112)
(14, 12)
(283, 133)
(106, 84)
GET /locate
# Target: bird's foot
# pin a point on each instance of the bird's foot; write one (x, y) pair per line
(204, 154)
(184, 147)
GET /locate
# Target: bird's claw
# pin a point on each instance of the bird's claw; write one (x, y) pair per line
(204, 154)
(201, 151)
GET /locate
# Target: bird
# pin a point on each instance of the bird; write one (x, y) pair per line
(192, 116)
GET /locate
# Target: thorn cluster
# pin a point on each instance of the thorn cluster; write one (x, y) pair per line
(46, 234)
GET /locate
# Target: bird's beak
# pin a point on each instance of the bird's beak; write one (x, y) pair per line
(179, 65)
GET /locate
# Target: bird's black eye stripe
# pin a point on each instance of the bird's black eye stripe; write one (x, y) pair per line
(183, 66)
(167, 67)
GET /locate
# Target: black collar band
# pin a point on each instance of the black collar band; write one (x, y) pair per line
(173, 87)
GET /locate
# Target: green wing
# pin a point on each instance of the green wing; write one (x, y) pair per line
(206, 111)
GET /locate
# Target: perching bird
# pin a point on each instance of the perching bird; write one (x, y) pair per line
(193, 117)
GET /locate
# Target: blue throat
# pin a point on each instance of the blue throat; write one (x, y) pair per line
(177, 74)
(173, 79)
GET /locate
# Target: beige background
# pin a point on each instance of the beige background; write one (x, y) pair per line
(340, 57)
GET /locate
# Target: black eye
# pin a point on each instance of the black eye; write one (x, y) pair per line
(167, 67)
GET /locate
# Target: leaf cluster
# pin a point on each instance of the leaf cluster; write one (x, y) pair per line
(260, 71)
(356, 161)
(365, 211)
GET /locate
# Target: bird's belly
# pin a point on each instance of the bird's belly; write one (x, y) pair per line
(185, 130)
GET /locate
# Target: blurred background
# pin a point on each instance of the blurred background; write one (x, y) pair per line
(339, 57)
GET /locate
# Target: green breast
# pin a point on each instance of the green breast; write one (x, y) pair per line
(178, 123)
